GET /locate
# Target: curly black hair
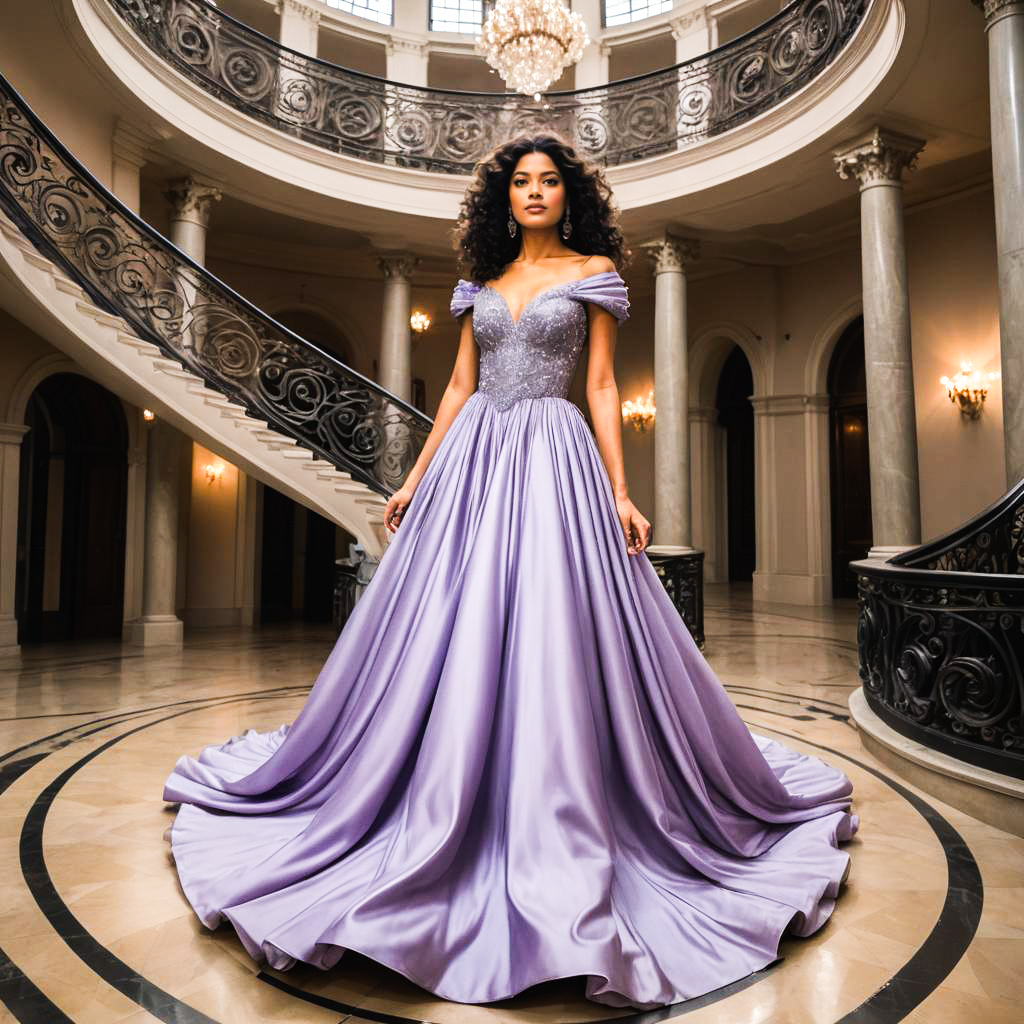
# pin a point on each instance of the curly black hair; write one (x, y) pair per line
(481, 234)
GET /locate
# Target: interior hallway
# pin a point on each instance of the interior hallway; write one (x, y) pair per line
(94, 928)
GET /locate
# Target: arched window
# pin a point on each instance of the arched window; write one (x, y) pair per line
(621, 12)
(456, 15)
(381, 11)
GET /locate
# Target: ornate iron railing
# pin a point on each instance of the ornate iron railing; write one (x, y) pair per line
(443, 130)
(135, 273)
(941, 639)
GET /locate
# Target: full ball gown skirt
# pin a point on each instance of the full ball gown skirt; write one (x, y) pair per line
(515, 765)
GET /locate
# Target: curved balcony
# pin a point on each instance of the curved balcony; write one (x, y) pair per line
(211, 334)
(437, 130)
(941, 639)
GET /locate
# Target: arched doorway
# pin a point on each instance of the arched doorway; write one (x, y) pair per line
(736, 417)
(850, 471)
(69, 582)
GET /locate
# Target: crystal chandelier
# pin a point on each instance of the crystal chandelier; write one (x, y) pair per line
(530, 42)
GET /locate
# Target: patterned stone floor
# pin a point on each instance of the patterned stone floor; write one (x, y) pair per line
(93, 926)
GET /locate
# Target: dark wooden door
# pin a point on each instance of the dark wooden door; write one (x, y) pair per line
(736, 415)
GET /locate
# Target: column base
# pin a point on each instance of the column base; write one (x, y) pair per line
(670, 549)
(887, 551)
(9, 636)
(155, 631)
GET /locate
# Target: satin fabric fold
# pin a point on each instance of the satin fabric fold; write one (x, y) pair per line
(515, 765)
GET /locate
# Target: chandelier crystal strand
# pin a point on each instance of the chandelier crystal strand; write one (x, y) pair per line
(530, 42)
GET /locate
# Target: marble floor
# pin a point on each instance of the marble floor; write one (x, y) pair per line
(94, 928)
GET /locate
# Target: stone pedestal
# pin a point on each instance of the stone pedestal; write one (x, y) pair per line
(877, 161)
(11, 435)
(672, 521)
(1004, 25)
(395, 363)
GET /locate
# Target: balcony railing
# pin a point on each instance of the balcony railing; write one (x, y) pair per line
(133, 272)
(941, 639)
(443, 130)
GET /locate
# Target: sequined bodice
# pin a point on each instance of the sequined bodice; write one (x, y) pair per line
(535, 356)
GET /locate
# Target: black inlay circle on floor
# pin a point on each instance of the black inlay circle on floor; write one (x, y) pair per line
(930, 964)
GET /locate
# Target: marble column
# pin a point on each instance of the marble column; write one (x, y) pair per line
(692, 33)
(395, 363)
(1004, 26)
(129, 154)
(672, 517)
(190, 219)
(300, 26)
(407, 60)
(11, 435)
(877, 161)
(592, 67)
(159, 624)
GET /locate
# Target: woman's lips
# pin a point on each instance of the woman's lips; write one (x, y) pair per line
(536, 209)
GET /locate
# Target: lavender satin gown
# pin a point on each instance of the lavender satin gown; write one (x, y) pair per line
(515, 765)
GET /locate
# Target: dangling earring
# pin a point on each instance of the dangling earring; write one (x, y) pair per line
(566, 224)
(513, 227)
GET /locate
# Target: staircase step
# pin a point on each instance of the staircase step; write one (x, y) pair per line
(134, 342)
(300, 454)
(66, 285)
(97, 314)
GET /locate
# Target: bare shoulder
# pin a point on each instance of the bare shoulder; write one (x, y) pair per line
(599, 265)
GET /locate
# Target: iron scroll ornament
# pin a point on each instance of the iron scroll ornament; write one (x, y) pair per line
(133, 272)
(443, 130)
(941, 639)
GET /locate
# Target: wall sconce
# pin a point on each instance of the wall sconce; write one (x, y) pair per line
(148, 415)
(419, 321)
(214, 471)
(967, 388)
(640, 412)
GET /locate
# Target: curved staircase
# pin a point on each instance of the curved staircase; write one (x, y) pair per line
(89, 276)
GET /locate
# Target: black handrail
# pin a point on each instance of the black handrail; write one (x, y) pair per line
(132, 271)
(445, 130)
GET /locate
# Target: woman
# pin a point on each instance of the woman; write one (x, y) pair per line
(515, 765)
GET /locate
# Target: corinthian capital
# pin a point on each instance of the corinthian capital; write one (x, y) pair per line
(300, 8)
(994, 8)
(879, 156)
(671, 254)
(191, 199)
(398, 264)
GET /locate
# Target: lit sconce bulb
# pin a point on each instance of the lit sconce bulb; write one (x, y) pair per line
(419, 321)
(214, 471)
(968, 388)
(148, 415)
(640, 412)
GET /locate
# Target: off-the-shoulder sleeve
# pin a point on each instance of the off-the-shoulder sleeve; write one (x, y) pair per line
(464, 296)
(607, 290)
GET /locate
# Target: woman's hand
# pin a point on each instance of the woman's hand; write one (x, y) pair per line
(635, 526)
(396, 506)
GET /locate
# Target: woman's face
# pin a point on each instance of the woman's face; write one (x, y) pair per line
(536, 191)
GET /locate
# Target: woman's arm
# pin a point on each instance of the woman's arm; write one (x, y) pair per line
(606, 415)
(461, 384)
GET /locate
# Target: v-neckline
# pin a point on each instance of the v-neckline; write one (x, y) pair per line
(541, 294)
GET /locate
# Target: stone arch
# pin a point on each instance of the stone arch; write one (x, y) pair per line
(819, 358)
(708, 490)
(349, 339)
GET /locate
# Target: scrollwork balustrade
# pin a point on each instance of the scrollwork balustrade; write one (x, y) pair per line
(941, 639)
(133, 272)
(442, 130)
